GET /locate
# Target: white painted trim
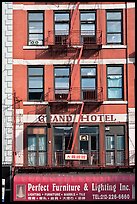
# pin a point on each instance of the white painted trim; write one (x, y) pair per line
(75, 102)
(67, 61)
(114, 46)
(115, 102)
(34, 103)
(34, 47)
(69, 7)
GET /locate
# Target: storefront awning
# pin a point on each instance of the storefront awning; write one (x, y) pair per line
(73, 187)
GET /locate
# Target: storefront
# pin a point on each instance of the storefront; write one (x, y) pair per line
(74, 187)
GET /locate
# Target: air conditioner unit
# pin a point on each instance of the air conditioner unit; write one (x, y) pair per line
(107, 128)
(83, 137)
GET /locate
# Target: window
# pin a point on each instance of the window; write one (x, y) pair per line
(89, 138)
(63, 138)
(61, 82)
(88, 82)
(115, 145)
(61, 27)
(37, 146)
(35, 28)
(114, 27)
(88, 26)
(115, 82)
(35, 83)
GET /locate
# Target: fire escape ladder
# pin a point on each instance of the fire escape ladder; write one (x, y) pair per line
(77, 127)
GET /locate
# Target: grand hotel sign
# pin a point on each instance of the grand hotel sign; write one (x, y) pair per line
(56, 118)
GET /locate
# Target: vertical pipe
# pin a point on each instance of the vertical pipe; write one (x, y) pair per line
(14, 132)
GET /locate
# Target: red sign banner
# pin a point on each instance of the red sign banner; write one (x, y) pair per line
(74, 187)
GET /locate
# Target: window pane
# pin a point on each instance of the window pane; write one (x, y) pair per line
(35, 71)
(93, 143)
(58, 143)
(110, 158)
(42, 143)
(88, 27)
(87, 16)
(113, 26)
(31, 143)
(115, 81)
(114, 70)
(89, 130)
(113, 38)
(120, 142)
(42, 158)
(36, 16)
(88, 71)
(88, 83)
(62, 83)
(113, 15)
(84, 146)
(35, 82)
(62, 72)
(110, 142)
(36, 27)
(115, 93)
(120, 158)
(35, 95)
(61, 29)
(62, 17)
(31, 158)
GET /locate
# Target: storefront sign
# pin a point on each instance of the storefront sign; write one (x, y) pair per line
(74, 187)
(75, 156)
(84, 118)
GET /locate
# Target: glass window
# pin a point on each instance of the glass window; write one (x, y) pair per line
(115, 145)
(115, 82)
(35, 28)
(88, 26)
(37, 146)
(88, 82)
(35, 83)
(62, 79)
(61, 26)
(114, 27)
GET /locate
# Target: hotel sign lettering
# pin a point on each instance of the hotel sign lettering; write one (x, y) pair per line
(56, 118)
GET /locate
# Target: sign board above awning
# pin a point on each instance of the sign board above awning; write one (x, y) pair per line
(74, 187)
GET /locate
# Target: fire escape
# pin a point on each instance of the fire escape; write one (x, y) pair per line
(78, 45)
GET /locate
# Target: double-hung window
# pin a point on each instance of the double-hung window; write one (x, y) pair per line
(37, 146)
(61, 26)
(88, 82)
(35, 83)
(115, 82)
(88, 26)
(114, 27)
(62, 79)
(115, 145)
(35, 28)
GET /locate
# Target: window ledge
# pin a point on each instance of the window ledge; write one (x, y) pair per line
(34, 47)
(115, 102)
(114, 46)
(35, 103)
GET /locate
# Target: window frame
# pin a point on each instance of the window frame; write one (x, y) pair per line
(63, 37)
(122, 67)
(37, 151)
(95, 76)
(33, 11)
(94, 22)
(115, 150)
(35, 67)
(65, 76)
(116, 20)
